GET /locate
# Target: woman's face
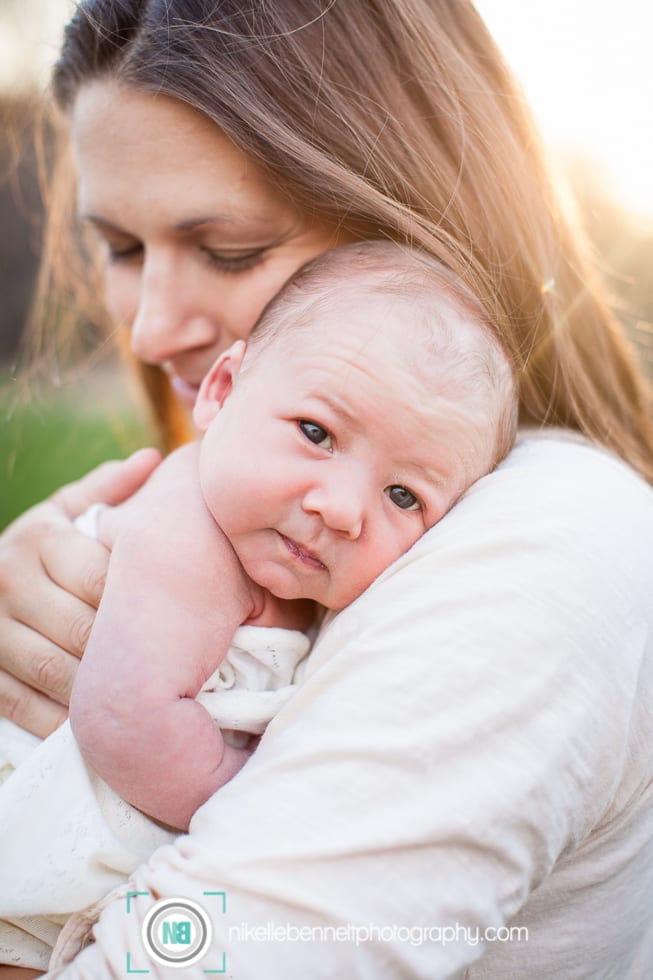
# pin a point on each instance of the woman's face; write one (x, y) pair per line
(196, 239)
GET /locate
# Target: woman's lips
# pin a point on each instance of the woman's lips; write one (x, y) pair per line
(185, 391)
(305, 557)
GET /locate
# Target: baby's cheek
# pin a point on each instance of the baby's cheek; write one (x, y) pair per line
(381, 554)
(352, 585)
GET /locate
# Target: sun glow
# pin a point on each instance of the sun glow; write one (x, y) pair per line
(586, 70)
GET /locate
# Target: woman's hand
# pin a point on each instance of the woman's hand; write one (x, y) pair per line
(51, 581)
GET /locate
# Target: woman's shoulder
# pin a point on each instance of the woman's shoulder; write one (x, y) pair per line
(556, 488)
(564, 458)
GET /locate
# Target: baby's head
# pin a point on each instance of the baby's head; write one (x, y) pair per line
(373, 392)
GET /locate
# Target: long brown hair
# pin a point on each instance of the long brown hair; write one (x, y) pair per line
(398, 119)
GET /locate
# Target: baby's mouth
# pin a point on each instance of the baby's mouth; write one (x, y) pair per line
(303, 555)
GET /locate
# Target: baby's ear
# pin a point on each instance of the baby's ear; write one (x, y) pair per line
(218, 385)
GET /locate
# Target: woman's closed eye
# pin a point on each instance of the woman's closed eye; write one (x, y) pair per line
(227, 262)
(403, 498)
(118, 248)
(116, 245)
(316, 434)
(123, 253)
(233, 262)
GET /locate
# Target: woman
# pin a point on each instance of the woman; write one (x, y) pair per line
(468, 748)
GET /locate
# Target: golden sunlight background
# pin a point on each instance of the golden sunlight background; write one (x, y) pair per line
(586, 69)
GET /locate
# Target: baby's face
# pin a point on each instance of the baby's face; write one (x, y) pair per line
(328, 460)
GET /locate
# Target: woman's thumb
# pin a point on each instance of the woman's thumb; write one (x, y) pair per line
(109, 483)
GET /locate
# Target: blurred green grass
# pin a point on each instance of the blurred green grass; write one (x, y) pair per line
(57, 437)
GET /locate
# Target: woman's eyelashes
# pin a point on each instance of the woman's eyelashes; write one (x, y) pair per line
(123, 253)
(316, 434)
(229, 263)
(403, 498)
(233, 262)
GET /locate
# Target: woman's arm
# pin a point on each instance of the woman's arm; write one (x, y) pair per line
(51, 580)
(174, 597)
(470, 748)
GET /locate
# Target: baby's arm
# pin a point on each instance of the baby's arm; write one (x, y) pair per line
(175, 595)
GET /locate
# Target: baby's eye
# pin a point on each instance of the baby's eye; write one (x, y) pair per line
(403, 498)
(315, 433)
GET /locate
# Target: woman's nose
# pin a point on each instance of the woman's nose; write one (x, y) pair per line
(168, 320)
(340, 502)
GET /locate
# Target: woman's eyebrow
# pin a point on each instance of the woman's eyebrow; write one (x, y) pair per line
(210, 219)
(222, 219)
(99, 222)
(188, 224)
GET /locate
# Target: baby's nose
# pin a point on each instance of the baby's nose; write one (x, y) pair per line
(340, 504)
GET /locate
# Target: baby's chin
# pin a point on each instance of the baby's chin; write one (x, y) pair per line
(283, 583)
(278, 581)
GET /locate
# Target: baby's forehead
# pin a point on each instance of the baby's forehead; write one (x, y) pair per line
(371, 361)
(360, 311)
(361, 331)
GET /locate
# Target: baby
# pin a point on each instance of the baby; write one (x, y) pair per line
(372, 393)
